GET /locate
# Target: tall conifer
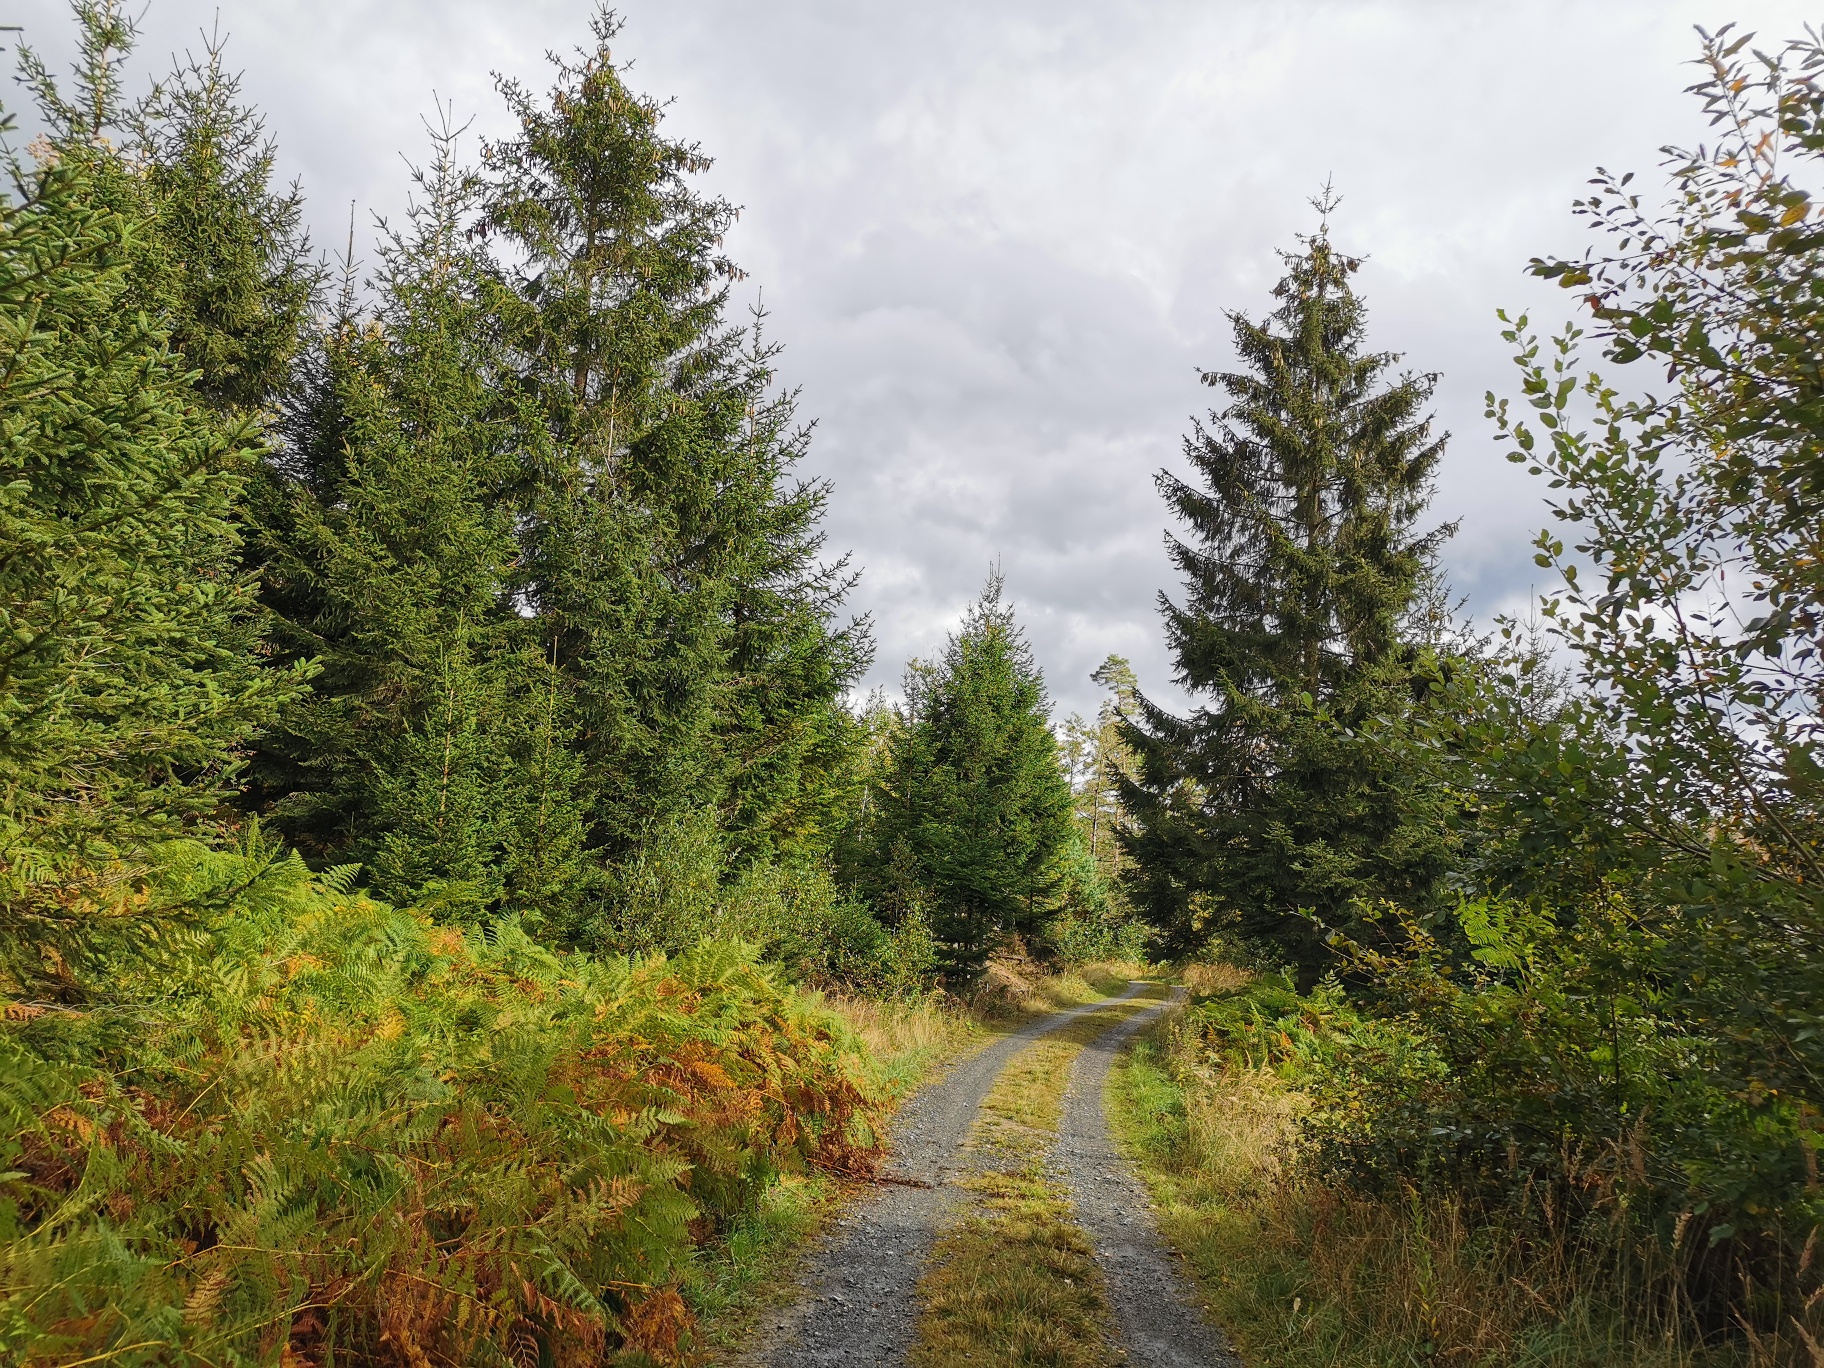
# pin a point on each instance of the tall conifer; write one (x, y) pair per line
(231, 260)
(668, 549)
(790, 749)
(1302, 567)
(974, 804)
(438, 746)
(128, 677)
(221, 253)
(1098, 758)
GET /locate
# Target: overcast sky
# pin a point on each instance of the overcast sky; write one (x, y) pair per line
(998, 236)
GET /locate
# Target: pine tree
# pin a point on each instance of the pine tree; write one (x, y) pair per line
(1302, 567)
(1094, 919)
(974, 804)
(220, 254)
(438, 746)
(668, 549)
(129, 677)
(1097, 757)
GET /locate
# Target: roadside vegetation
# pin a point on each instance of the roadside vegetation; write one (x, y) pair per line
(732, 1280)
(1303, 1265)
(1525, 1064)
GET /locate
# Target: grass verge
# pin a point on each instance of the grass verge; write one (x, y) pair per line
(1306, 1277)
(1016, 1282)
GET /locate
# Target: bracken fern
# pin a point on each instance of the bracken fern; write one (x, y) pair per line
(349, 1134)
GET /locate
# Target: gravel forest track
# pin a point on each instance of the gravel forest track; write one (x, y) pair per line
(857, 1300)
(1157, 1320)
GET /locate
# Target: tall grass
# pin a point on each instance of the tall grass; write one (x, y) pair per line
(903, 1037)
(1304, 1272)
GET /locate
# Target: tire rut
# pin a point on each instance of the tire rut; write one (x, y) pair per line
(1159, 1322)
(857, 1301)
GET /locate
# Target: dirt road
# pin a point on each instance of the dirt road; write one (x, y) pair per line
(1159, 1324)
(857, 1302)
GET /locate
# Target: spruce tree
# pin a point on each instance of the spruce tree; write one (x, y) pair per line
(974, 804)
(790, 750)
(230, 259)
(220, 253)
(1302, 567)
(129, 678)
(438, 747)
(668, 550)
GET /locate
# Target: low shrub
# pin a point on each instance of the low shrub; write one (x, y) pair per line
(1074, 939)
(345, 1131)
(1306, 1271)
(791, 911)
(1535, 1100)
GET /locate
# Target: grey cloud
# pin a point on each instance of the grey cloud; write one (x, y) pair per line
(998, 240)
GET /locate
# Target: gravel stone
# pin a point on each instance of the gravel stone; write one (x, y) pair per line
(1159, 1321)
(857, 1304)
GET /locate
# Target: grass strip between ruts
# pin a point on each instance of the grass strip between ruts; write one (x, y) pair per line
(1015, 1283)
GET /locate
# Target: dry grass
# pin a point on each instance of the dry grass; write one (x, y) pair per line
(1305, 1277)
(1016, 987)
(1023, 1105)
(1204, 980)
(905, 1038)
(1014, 1285)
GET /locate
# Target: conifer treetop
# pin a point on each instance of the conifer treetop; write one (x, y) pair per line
(1301, 552)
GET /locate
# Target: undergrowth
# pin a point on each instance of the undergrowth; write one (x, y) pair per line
(330, 1129)
(1306, 1272)
(1015, 987)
